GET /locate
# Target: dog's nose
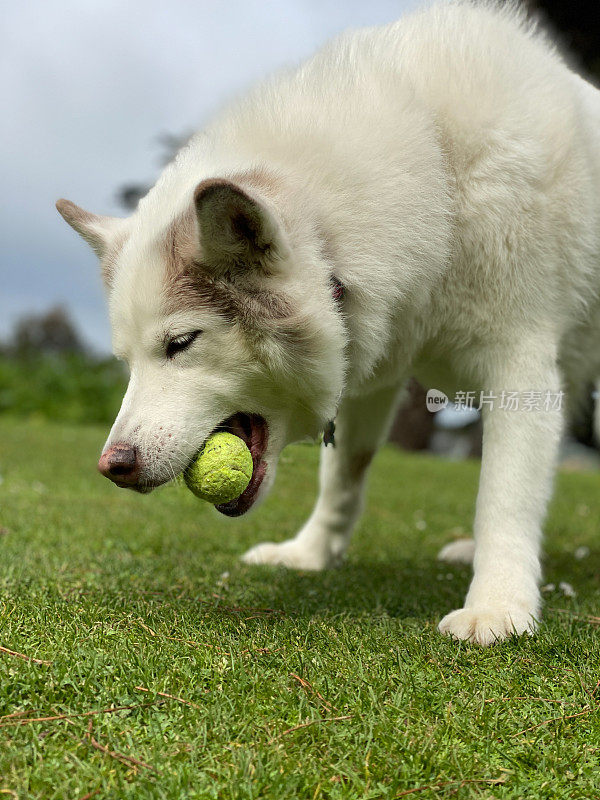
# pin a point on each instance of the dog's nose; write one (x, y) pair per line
(121, 464)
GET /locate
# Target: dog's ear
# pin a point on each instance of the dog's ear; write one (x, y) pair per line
(237, 231)
(95, 229)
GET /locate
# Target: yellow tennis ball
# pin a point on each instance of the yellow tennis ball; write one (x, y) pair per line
(222, 470)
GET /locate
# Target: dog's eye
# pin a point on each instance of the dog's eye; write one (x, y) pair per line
(179, 343)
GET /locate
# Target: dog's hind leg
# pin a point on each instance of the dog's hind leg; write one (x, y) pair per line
(519, 454)
(361, 426)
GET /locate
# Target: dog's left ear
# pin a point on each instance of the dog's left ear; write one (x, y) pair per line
(236, 230)
(95, 229)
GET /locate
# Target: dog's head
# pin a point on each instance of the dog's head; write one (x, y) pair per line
(223, 311)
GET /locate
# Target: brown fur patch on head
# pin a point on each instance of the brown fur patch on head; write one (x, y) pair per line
(190, 284)
(253, 308)
(237, 230)
(180, 245)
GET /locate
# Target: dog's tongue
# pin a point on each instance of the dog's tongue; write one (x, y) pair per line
(252, 429)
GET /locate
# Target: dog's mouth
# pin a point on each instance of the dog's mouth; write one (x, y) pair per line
(253, 430)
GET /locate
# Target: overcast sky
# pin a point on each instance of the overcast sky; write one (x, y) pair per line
(87, 88)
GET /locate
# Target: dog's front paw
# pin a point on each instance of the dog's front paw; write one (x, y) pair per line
(487, 625)
(291, 554)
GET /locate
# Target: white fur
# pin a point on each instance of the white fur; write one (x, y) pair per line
(459, 552)
(446, 168)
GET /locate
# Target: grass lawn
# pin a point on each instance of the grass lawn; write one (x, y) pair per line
(163, 668)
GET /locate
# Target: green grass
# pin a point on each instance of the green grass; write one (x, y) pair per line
(70, 387)
(119, 591)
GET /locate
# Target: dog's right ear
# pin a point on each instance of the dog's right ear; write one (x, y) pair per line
(97, 230)
(237, 231)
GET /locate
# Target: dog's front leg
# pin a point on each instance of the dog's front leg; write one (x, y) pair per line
(519, 453)
(361, 426)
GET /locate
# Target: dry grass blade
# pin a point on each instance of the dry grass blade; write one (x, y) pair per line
(14, 715)
(246, 651)
(146, 627)
(23, 656)
(448, 784)
(194, 643)
(90, 795)
(308, 724)
(129, 761)
(308, 687)
(262, 612)
(169, 696)
(586, 710)
(592, 620)
(530, 699)
(112, 710)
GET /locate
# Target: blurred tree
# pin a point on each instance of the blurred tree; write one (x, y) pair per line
(414, 424)
(576, 24)
(51, 332)
(47, 371)
(130, 194)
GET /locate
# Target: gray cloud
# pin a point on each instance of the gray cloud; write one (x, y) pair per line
(88, 86)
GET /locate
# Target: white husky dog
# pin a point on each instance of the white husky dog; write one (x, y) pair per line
(421, 199)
